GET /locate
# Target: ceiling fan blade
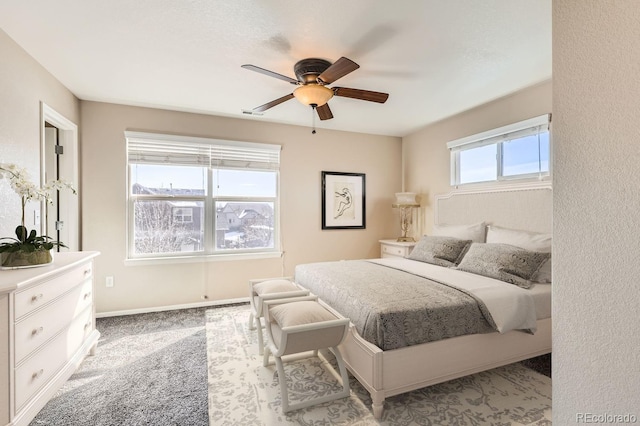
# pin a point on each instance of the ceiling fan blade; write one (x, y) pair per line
(365, 95)
(273, 103)
(338, 69)
(324, 112)
(270, 73)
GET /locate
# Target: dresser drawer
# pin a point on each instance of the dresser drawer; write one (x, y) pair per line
(38, 369)
(32, 298)
(36, 329)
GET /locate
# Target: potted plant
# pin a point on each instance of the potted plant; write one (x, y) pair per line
(28, 249)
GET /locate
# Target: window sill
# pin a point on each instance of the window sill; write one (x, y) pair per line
(202, 258)
(505, 183)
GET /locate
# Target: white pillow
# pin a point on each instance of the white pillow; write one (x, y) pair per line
(474, 232)
(532, 241)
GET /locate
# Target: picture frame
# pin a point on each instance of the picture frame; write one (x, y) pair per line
(343, 200)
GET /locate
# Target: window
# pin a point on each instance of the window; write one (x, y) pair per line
(195, 196)
(518, 151)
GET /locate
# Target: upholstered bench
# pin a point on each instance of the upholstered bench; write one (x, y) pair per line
(269, 289)
(299, 325)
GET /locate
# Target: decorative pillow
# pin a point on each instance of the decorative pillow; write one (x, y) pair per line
(475, 232)
(532, 241)
(441, 251)
(504, 262)
(274, 286)
(299, 313)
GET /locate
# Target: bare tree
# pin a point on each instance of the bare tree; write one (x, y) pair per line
(258, 231)
(157, 232)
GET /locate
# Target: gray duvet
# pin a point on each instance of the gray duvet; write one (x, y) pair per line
(392, 308)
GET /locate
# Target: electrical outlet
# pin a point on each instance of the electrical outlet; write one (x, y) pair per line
(109, 281)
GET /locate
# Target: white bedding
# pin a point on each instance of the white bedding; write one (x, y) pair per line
(511, 307)
(541, 294)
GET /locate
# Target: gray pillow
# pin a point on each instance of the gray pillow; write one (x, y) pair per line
(504, 262)
(441, 251)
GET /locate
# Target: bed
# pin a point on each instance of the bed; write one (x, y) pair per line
(386, 361)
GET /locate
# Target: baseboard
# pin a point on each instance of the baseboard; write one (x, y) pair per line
(172, 307)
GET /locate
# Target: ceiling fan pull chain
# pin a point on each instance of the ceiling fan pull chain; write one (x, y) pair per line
(313, 119)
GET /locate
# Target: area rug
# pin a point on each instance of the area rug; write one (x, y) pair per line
(243, 392)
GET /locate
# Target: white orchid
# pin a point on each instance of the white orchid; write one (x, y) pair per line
(20, 183)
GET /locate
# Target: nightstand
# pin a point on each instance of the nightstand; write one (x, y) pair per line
(393, 248)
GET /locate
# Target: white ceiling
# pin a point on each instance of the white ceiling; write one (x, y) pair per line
(435, 58)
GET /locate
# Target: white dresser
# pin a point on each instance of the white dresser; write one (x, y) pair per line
(393, 248)
(47, 327)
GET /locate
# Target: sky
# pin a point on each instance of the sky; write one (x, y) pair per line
(226, 181)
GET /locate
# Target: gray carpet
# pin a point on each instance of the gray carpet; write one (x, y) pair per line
(150, 369)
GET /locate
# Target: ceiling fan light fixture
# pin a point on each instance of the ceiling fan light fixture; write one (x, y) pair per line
(313, 94)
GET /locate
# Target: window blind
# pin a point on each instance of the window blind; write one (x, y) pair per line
(152, 148)
(532, 126)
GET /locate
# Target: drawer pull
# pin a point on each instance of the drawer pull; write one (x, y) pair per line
(36, 297)
(37, 331)
(87, 272)
(87, 325)
(87, 295)
(37, 374)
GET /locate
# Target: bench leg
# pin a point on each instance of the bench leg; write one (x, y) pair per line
(258, 325)
(251, 324)
(343, 374)
(283, 385)
(265, 357)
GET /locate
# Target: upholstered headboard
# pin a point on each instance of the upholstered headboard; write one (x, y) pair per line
(518, 207)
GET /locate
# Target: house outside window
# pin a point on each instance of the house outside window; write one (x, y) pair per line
(182, 214)
(196, 196)
(517, 151)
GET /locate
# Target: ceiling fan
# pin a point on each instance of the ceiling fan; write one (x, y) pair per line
(313, 76)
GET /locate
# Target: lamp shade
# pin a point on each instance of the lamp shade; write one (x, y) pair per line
(313, 94)
(406, 198)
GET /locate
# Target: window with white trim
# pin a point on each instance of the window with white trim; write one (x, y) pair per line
(192, 196)
(517, 151)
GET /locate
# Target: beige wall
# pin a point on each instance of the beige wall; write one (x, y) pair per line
(24, 84)
(303, 158)
(596, 362)
(427, 159)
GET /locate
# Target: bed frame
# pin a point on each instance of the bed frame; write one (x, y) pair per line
(392, 372)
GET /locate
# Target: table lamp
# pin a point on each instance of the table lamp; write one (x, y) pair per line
(405, 201)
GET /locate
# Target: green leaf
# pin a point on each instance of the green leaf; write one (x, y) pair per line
(21, 233)
(27, 242)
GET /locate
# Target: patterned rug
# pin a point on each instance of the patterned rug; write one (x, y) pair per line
(243, 392)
